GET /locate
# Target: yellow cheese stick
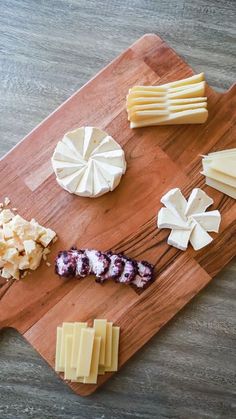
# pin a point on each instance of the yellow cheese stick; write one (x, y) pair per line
(189, 80)
(226, 165)
(67, 329)
(164, 101)
(92, 378)
(58, 349)
(192, 116)
(70, 373)
(144, 93)
(108, 348)
(76, 342)
(115, 349)
(100, 326)
(85, 352)
(185, 103)
(197, 90)
(151, 113)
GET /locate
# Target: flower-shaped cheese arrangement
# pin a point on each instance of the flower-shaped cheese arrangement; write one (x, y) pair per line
(88, 162)
(188, 220)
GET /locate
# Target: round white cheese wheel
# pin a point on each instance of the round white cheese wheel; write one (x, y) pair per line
(88, 162)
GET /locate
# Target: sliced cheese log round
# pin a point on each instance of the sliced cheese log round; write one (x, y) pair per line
(88, 162)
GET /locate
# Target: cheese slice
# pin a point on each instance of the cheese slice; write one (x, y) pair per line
(92, 378)
(108, 345)
(220, 177)
(100, 327)
(76, 342)
(184, 82)
(221, 187)
(85, 352)
(210, 220)
(198, 201)
(115, 349)
(58, 349)
(166, 219)
(67, 329)
(199, 237)
(70, 373)
(175, 202)
(179, 238)
(226, 165)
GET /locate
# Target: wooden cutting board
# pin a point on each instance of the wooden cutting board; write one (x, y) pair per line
(159, 158)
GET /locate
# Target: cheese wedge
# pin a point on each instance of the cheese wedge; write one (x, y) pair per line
(198, 201)
(210, 220)
(175, 202)
(199, 237)
(166, 219)
(179, 238)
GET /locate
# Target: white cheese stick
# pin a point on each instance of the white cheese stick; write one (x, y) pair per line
(210, 220)
(199, 238)
(198, 201)
(176, 202)
(166, 219)
(179, 238)
(220, 177)
(221, 187)
(225, 165)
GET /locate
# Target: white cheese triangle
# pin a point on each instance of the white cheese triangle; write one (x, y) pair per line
(166, 219)
(179, 238)
(71, 182)
(63, 169)
(176, 202)
(85, 186)
(199, 238)
(198, 201)
(210, 220)
(100, 185)
(64, 153)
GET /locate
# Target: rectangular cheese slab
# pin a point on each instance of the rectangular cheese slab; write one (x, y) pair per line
(100, 327)
(76, 342)
(58, 349)
(85, 352)
(67, 329)
(92, 378)
(115, 349)
(108, 346)
(70, 373)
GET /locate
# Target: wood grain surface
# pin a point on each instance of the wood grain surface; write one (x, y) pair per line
(222, 407)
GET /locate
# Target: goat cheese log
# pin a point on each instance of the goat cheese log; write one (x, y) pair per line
(79, 263)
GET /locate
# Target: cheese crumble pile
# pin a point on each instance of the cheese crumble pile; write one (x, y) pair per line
(23, 244)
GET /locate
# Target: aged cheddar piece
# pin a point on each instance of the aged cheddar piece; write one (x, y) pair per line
(58, 349)
(115, 349)
(85, 352)
(70, 373)
(100, 327)
(108, 345)
(92, 378)
(76, 342)
(67, 329)
(188, 220)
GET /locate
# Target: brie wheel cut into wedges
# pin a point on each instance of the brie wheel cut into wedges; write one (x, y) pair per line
(188, 220)
(88, 162)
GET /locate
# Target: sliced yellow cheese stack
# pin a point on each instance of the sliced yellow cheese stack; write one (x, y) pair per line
(83, 352)
(220, 170)
(178, 102)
